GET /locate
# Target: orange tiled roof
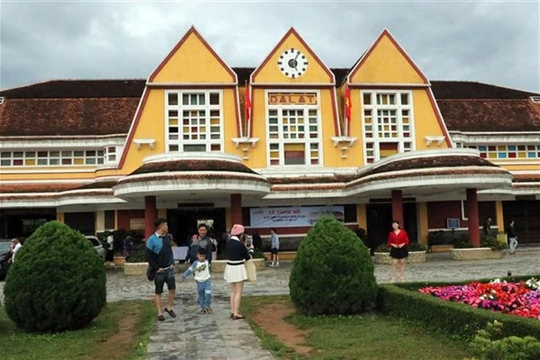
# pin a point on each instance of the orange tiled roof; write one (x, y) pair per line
(193, 165)
(104, 107)
(490, 115)
(35, 187)
(75, 117)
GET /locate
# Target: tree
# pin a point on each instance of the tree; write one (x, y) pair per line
(57, 281)
(332, 272)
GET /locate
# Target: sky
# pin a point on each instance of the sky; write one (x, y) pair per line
(491, 42)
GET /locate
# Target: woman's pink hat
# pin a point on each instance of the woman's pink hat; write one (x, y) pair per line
(237, 229)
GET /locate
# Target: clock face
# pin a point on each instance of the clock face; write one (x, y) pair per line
(292, 63)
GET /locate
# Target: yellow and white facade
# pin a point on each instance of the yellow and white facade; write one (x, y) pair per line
(182, 145)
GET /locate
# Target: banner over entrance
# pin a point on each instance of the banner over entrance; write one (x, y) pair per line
(293, 215)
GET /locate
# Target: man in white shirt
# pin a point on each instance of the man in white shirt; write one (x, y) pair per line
(16, 247)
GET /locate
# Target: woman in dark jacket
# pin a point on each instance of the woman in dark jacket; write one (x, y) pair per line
(235, 270)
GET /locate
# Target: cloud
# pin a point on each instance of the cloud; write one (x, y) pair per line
(493, 42)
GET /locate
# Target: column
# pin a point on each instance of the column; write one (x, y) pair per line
(397, 206)
(100, 221)
(361, 216)
(60, 217)
(236, 208)
(150, 214)
(499, 216)
(423, 225)
(472, 213)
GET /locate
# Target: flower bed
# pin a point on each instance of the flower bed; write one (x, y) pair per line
(521, 299)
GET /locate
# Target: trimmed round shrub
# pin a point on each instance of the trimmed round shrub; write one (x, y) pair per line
(57, 281)
(332, 272)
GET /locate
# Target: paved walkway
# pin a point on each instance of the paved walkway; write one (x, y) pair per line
(194, 336)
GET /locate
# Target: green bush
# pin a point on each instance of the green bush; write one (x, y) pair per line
(332, 272)
(57, 281)
(138, 253)
(489, 344)
(493, 243)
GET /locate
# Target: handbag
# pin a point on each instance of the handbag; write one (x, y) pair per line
(251, 271)
(150, 273)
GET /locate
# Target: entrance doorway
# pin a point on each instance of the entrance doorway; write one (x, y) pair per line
(525, 216)
(183, 223)
(379, 223)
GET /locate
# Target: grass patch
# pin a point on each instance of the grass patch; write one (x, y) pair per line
(368, 336)
(121, 331)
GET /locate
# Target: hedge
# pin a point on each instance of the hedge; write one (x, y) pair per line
(458, 319)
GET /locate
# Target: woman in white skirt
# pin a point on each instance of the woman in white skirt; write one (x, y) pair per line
(235, 270)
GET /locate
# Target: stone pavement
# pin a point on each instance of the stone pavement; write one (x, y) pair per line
(194, 336)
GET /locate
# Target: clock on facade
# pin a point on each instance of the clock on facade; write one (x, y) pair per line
(292, 63)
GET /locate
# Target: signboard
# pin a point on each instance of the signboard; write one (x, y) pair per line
(452, 223)
(293, 215)
(292, 99)
(136, 224)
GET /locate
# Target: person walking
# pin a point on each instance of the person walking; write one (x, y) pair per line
(160, 258)
(274, 247)
(109, 256)
(257, 241)
(128, 245)
(202, 239)
(486, 230)
(201, 271)
(235, 270)
(512, 238)
(16, 246)
(398, 240)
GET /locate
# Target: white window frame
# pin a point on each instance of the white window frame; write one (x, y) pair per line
(306, 140)
(400, 139)
(49, 157)
(208, 142)
(497, 152)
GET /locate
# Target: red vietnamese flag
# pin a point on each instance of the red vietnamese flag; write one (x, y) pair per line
(248, 106)
(348, 104)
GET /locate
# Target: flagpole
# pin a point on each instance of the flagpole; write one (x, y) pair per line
(247, 105)
(346, 120)
(250, 113)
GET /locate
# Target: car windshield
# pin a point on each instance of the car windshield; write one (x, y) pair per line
(94, 241)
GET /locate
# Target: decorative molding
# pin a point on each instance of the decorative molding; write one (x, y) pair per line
(149, 142)
(345, 141)
(431, 139)
(191, 155)
(245, 141)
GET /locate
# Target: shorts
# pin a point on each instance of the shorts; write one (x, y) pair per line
(274, 251)
(162, 278)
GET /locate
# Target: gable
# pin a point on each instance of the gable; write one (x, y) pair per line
(277, 69)
(193, 61)
(386, 63)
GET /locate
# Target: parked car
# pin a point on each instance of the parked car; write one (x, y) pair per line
(97, 246)
(4, 264)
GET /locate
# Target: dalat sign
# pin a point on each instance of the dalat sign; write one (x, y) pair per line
(293, 215)
(292, 99)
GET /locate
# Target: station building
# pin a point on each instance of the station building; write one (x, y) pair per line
(274, 146)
